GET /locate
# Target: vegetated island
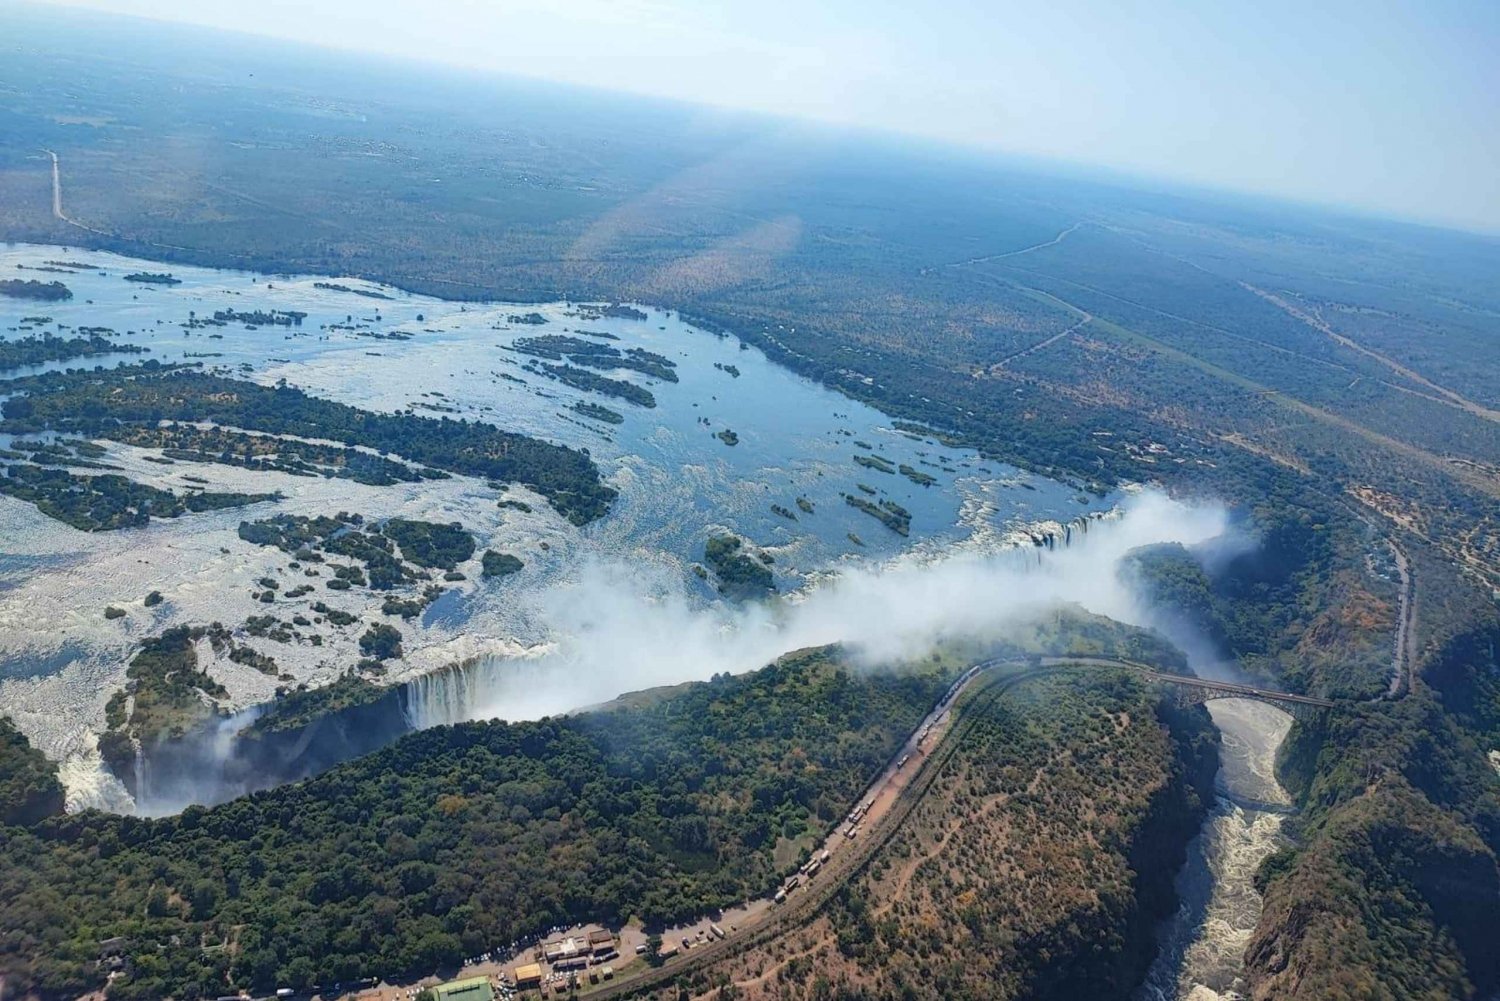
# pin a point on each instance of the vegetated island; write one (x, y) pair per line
(191, 443)
(918, 477)
(100, 402)
(261, 317)
(875, 462)
(17, 288)
(740, 574)
(556, 347)
(500, 564)
(376, 561)
(336, 287)
(598, 412)
(887, 512)
(153, 278)
(613, 311)
(593, 382)
(35, 350)
(109, 501)
(728, 437)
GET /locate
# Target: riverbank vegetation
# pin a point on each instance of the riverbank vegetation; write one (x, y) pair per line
(29, 789)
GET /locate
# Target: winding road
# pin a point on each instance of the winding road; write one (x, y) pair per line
(985, 685)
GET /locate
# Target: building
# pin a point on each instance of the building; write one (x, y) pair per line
(468, 989)
(601, 941)
(529, 975)
(566, 949)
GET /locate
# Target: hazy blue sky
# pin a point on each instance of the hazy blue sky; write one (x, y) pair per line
(1393, 107)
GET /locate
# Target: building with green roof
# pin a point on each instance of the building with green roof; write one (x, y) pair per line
(468, 989)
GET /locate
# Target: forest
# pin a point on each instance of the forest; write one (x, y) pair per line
(1075, 793)
(393, 863)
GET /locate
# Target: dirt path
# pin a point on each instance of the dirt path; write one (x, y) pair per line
(1402, 661)
(999, 365)
(57, 202)
(1448, 396)
(1009, 253)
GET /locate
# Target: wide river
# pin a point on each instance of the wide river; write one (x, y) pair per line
(383, 349)
(597, 611)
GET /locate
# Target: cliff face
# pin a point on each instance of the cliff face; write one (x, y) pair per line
(1037, 866)
(1392, 899)
(298, 737)
(1394, 889)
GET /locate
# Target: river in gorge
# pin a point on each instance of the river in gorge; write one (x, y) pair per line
(1203, 943)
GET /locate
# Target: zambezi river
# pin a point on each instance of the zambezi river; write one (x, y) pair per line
(1203, 944)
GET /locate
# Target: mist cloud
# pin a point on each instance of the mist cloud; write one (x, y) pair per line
(622, 628)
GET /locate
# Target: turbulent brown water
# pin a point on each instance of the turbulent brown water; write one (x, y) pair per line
(1203, 944)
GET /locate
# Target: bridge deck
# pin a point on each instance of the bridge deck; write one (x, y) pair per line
(1228, 688)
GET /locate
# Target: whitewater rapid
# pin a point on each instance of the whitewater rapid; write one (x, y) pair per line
(1203, 943)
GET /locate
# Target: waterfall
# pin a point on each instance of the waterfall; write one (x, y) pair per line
(451, 695)
(92, 786)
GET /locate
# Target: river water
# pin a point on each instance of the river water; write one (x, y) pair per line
(1203, 944)
(798, 449)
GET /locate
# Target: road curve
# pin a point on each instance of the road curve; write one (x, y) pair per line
(986, 686)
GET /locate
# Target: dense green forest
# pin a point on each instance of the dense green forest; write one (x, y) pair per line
(93, 403)
(29, 789)
(458, 838)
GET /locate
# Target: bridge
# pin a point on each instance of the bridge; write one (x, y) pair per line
(1191, 691)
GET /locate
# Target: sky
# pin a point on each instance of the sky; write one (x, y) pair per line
(1388, 107)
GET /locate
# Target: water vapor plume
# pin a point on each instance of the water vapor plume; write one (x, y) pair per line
(625, 627)
(621, 628)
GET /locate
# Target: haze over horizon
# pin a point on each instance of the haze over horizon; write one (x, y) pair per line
(1384, 109)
